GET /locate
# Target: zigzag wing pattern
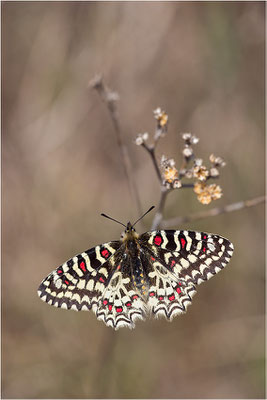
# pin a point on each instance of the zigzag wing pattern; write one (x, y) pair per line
(120, 303)
(181, 260)
(189, 255)
(123, 281)
(168, 296)
(79, 282)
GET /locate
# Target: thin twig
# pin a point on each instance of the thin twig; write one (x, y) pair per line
(151, 152)
(212, 212)
(159, 214)
(164, 190)
(110, 98)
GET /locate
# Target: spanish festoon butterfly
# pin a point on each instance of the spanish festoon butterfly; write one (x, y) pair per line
(124, 280)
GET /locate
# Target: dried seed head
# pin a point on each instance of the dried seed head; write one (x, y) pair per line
(157, 112)
(189, 173)
(214, 172)
(186, 136)
(206, 194)
(204, 197)
(187, 152)
(217, 161)
(141, 138)
(189, 139)
(167, 184)
(198, 162)
(163, 161)
(201, 172)
(167, 162)
(199, 187)
(170, 174)
(161, 116)
(176, 184)
(215, 191)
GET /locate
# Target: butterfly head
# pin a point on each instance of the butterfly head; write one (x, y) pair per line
(129, 233)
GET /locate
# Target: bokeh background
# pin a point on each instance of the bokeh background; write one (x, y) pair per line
(202, 62)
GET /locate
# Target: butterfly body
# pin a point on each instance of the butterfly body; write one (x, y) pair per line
(153, 273)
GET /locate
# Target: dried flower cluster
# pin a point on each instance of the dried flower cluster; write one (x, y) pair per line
(161, 117)
(162, 123)
(192, 168)
(170, 173)
(207, 193)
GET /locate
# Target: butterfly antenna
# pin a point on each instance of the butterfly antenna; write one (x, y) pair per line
(112, 219)
(151, 208)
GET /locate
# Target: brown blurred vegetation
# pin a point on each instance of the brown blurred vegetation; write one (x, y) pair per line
(202, 62)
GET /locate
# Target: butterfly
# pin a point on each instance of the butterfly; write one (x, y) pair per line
(154, 273)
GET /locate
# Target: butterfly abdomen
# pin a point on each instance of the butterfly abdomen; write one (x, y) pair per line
(138, 276)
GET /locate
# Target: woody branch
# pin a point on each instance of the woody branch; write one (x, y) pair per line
(110, 98)
(192, 168)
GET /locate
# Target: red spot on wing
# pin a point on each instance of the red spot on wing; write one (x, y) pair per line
(110, 307)
(128, 304)
(204, 236)
(183, 242)
(161, 297)
(59, 271)
(158, 240)
(118, 267)
(67, 282)
(82, 266)
(172, 263)
(105, 253)
(204, 249)
(119, 309)
(178, 290)
(105, 302)
(152, 258)
(151, 294)
(172, 297)
(135, 297)
(101, 279)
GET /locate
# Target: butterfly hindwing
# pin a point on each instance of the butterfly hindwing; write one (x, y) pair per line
(120, 303)
(181, 260)
(168, 295)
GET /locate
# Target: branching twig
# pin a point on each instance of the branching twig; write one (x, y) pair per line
(151, 152)
(213, 212)
(110, 98)
(171, 178)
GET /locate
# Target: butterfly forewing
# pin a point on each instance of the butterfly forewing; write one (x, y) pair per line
(158, 276)
(79, 282)
(193, 256)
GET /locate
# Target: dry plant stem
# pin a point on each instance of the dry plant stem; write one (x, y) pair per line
(213, 212)
(159, 214)
(164, 191)
(151, 152)
(110, 99)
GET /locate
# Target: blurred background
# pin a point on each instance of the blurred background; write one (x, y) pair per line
(203, 63)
